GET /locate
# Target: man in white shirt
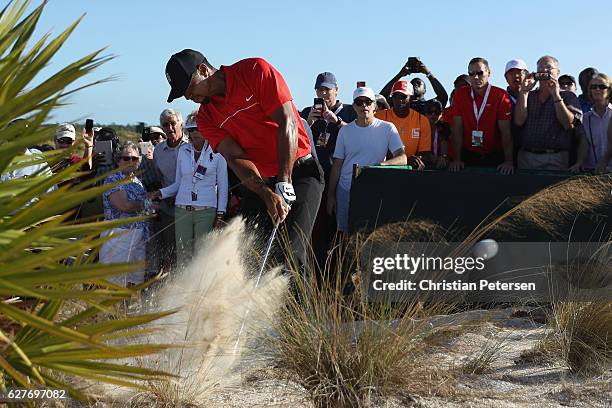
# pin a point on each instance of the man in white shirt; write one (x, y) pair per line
(36, 169)
(365, 142)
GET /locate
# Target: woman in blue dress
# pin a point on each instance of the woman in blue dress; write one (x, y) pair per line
(125, 200)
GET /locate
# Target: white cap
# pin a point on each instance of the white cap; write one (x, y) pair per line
(65, 130)
(367, 92)
(516, 63)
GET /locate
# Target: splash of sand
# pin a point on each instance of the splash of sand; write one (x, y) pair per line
(212, 296)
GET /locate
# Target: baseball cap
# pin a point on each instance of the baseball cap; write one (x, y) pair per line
(106, 133)
(567, 78)
(326, 79)
(516, 64)
(462, 79)
(179, 69)
(65, 130)
(402, 86)
(367, 92)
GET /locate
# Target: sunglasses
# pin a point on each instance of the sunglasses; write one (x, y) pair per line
(363, 102)
(599, 86)
(64, 140)
(479, 73)
(132, 158)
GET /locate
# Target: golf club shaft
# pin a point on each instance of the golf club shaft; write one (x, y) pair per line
(261, 269)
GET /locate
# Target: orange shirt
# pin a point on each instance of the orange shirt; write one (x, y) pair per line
(414, 130)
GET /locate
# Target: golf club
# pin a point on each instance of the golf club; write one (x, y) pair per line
(261, 269)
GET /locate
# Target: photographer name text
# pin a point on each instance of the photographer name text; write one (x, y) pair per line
(457, 285)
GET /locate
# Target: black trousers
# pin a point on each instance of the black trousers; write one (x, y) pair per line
(294, 233)
(472, 159)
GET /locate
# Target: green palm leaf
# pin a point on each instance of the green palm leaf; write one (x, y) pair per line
(45, 338)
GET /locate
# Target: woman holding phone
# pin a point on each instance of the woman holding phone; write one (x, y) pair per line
(201, 190)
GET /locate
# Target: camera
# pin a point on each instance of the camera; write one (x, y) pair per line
(318, 103)
(146, 134)
(541, 76)
(89, 125)
(361, 84)
(412, 64)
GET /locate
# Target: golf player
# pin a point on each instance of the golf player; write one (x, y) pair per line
(248, 115)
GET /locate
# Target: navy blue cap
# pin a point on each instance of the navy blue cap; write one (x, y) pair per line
(326, 79)
(179, 69)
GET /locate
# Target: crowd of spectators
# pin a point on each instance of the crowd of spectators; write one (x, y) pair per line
(537, 122)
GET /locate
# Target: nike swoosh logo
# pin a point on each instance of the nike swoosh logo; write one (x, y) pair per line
(249, 98)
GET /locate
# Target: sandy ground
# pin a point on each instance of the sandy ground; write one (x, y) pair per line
(508, 383)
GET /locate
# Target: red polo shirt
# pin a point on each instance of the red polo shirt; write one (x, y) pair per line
(255, 89)
(498, 108)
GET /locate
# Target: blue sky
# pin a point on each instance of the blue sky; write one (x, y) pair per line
(356, 40)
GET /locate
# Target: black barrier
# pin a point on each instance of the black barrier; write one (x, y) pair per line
(461, 201)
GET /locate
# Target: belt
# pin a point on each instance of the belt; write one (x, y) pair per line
(544, 151)
(298, 162)
(302, 160)
(194, 207)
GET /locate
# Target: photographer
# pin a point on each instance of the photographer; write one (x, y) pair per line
(147, 172)
(417, 101)
(326, 117)
(105, 146)
(546, 117)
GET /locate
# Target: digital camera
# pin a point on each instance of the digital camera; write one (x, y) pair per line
(541, 76)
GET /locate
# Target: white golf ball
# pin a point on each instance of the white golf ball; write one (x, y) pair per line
(486, 249)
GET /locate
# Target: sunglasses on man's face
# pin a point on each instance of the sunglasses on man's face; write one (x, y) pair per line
(599, 86)
(132, 158)
(479, 73)
(64, 140)
(363, 102)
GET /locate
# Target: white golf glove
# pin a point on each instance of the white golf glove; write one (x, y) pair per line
(285, 190)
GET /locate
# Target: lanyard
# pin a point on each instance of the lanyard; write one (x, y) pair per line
(435, 142)
(340, 106)
(195, 164)
(478, 114)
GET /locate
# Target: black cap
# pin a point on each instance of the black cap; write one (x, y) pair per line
(179, 69)
(567, 77)
(461, 79)
(105, 134)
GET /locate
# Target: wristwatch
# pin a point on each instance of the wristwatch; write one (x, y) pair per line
(339, 121)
